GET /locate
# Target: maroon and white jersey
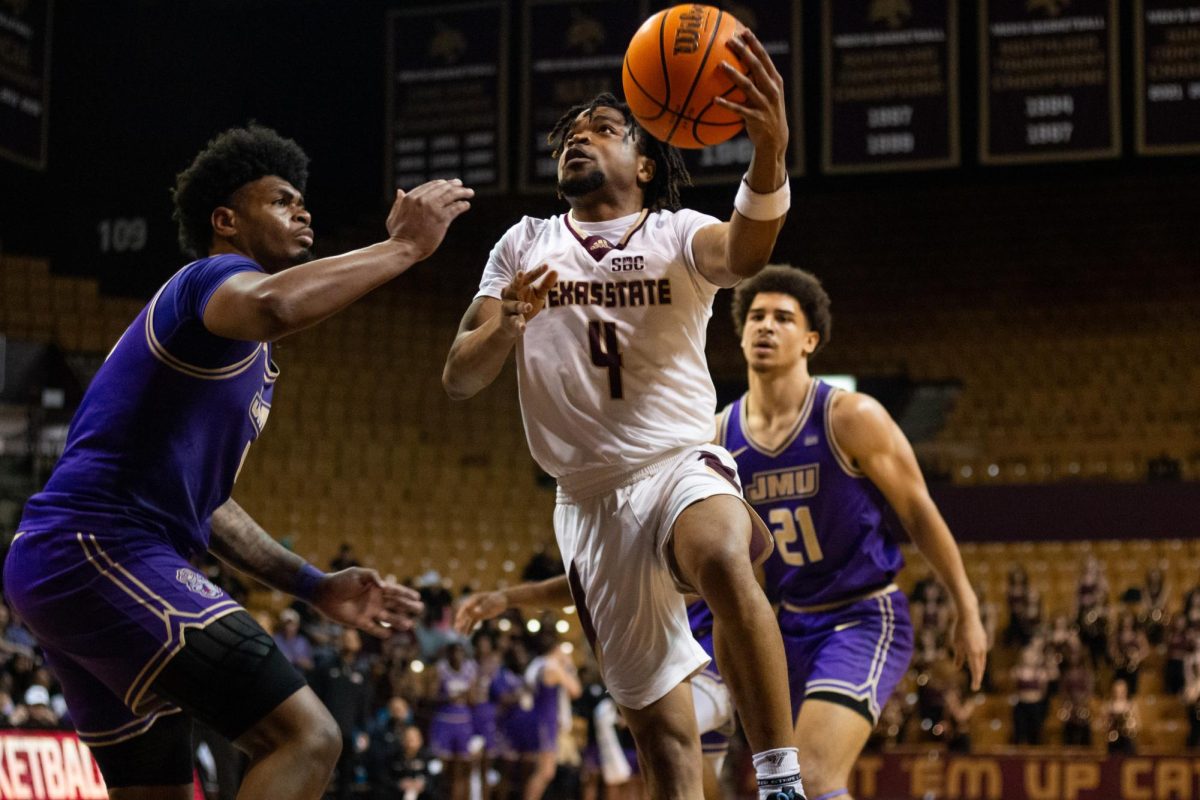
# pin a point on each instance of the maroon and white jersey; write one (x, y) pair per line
(612, 373)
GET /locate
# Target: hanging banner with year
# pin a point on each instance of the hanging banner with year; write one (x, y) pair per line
(447, 103)
(1167, 90)
(777, 26)
(890, 85)
(1048, 81)
(572, 51)
(24, 80)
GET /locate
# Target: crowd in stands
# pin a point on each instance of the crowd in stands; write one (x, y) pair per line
(515, 710)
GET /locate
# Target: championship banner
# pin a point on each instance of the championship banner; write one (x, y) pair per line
(1048, 81)
(890, 85)
(777, 25)
(572, 51)
(913, 773)
(447, 96)
(47, 765)
(1167, 90)
(24, 80)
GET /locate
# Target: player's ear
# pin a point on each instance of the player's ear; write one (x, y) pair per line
(646, 170)
(812, 340)
(224, 222)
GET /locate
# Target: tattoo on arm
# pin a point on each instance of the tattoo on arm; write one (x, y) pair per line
(242, 543)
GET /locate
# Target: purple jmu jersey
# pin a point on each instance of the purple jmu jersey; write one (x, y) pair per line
(832, 539)
(162, 431)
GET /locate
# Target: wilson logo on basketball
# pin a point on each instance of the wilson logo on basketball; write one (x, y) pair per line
(687, 35)
(195, 582)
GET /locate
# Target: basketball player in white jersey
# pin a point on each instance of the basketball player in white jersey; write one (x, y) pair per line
(607, 308)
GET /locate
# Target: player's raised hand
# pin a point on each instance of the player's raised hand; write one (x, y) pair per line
(969, 641)
(476, 608)
(524, 297)
(764, 111)
(360, 598)
(420, 217)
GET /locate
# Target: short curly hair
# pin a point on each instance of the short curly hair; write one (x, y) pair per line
(228, 162)
(670, 174)
(786, 279)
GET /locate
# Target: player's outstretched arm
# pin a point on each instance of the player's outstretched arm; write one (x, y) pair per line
(547, 594)
(260, 307)
(869, 436)
(355, 596)
(738, 249)
(489, 330)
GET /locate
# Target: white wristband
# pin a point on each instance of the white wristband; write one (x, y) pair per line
(763, 207)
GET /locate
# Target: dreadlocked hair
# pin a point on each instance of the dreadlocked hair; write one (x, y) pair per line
(227, 163)
(662, 192)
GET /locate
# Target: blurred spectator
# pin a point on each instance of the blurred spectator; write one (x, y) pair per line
(295, 645)
(931, 610)
(1179, 645)
(1122, 719)
(411, 769)
(1092, 609)
(1129, 649)
(1191, 694)
(960, 707)
(345, 558)
(1163, 469)
(35, 711)
(541, 566)
(1017, 593)
(13, 637)
(1030, 680)
(1078, 687)
(452, 729)
(343, 686)
(1152, 612)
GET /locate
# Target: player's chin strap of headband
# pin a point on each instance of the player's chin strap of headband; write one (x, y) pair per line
(833, 794)
(763, 207)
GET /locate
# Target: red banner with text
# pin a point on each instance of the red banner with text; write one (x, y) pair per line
(47, 765)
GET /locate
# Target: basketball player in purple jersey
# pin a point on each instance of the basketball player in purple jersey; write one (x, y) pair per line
(606, 307)
(822, 466)
(99, 567)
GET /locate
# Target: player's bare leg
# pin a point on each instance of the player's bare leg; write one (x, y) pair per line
(292, 751)
(544, 766)
(828, 758)
(712, 781)
(711, 545)
(668, 743)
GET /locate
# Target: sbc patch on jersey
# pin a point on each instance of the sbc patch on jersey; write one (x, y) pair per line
(195, 582)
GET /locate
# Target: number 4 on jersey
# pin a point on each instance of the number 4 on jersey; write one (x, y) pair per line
(606, 353)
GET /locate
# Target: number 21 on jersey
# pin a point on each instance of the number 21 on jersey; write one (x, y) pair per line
(796, 548)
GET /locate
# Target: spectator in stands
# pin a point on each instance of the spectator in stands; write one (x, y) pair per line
(344, 688)
(1122, 719)
(1191, 695)
(1152, 613)
(1031, 680)
(452, 729)
(13, 638)
(1092, 609)
(989, 616)
(928, 651)
(1163, 469)
(292, 643)
(960, 707)
(345, 558)
(35, 711)
(1179, 646)
(411, 769)
(1078, 687)
(1018, 597)
(1129, 649)
(931, 610)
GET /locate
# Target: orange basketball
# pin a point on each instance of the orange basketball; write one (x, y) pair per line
(672, 74)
